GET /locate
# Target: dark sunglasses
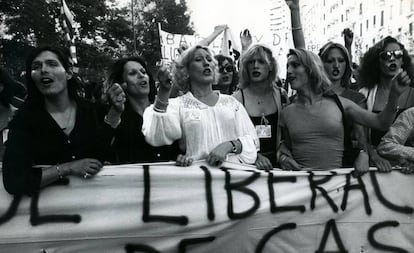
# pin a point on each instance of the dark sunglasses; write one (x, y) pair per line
(386, 55)
(228, 69)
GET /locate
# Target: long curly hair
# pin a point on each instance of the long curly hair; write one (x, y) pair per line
(34, 95)
(182, 64)
(117, 70)
(324, 53)
(313, 65)
(369, 69)
(264, 53)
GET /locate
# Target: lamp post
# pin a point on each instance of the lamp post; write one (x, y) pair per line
(133, 26)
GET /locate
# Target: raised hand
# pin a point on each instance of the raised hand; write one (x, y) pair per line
(292, 4)
(220, 28)
(348, 37)
(117, 97)
(164, 76)
(400, 82)
(245, 39)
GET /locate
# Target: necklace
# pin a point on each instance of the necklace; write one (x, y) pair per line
(259, 99)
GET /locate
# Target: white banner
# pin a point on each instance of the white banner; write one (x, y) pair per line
(234, 208)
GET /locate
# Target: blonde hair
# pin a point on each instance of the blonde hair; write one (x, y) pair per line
(181, 66)
(264, 53)
(314, 67)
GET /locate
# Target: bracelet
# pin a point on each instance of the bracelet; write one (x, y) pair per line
(58, 171)
(234, 149)
(159, 110)
(160, 106)
(296, 28)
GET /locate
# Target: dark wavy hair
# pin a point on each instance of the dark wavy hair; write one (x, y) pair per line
(63, 55)
(324, 53)
(369, 68)
(235, 77)
(117, 71)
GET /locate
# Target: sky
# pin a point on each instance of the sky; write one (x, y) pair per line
(237, 14)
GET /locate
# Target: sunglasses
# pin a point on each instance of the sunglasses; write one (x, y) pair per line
(386, 55)
(227, 68)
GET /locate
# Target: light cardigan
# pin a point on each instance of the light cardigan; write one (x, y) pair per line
(202, 127)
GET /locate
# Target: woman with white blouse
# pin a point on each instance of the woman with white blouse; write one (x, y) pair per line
(209, 125)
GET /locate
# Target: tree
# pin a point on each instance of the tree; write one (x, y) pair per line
(173, 18)
(105, 31)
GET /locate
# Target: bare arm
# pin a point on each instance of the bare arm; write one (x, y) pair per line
(297, 32)
(381, 121)
(209, 39)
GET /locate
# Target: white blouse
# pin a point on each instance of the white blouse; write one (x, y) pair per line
(202, 127)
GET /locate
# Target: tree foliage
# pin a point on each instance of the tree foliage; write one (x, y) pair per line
(105, 33)
(172, 17)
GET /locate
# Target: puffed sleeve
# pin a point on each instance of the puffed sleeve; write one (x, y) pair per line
(162, 128)
(18, 175)
(247, 135)
(393, 143)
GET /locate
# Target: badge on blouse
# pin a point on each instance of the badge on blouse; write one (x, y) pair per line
(264, 131)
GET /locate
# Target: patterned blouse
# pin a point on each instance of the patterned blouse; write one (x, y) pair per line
(202, 127)
(398, 143)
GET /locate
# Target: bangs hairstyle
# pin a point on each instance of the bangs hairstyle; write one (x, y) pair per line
(182, 64)
(117, 72)
(319, 80)
(369, 69)
(63, 55)
(324, 54)
(262, 52)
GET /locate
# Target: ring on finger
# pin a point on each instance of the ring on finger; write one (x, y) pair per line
(86, 174)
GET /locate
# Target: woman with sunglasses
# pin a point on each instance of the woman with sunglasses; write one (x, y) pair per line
(228, 76)
(379, 65)
(263, 100)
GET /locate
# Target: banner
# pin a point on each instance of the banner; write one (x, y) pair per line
(171, 43)
(232, 208)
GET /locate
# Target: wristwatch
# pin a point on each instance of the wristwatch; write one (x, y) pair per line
(233, 143)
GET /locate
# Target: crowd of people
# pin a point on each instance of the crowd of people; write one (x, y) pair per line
(212, 107)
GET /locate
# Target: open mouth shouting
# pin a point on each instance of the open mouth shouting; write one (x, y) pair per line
(46, 81)
(143, 83)
(256, 74)
(207, 72)
(392, 67)
(335, 72)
